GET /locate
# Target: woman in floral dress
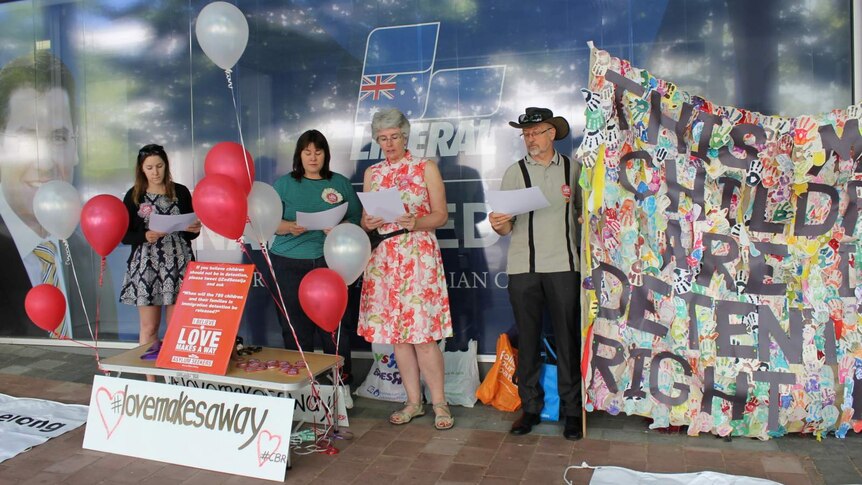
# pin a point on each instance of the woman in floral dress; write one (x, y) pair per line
(158, 260)
(310, 187)
(404, 298)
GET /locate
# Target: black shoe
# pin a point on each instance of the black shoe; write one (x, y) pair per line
(525, 423)
(572, 431)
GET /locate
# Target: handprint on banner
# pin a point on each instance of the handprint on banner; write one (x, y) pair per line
(775, 126)
(592, 139)
(611, 221)
(720, 135)
(733, 115)
(681, 280)
(601, 64)
(754, 173)
(640, 108)
(660, 155)
(741, 280)
(649, 82)
(667, 89)
(804, 131)
(591, 99)
(612, 135)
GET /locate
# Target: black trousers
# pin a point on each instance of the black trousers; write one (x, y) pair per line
(289, 273)
(559, 293)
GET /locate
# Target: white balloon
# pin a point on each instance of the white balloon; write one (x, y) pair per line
(264, 212)
(222, 32)
(57, 206)
(347, 251)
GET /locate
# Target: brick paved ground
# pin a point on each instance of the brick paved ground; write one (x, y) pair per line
(478, 450)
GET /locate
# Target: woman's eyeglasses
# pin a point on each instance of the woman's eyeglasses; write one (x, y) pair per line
(385, 139)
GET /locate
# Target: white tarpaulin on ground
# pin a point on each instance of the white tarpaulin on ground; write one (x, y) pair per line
(612, 475)
(25, 423)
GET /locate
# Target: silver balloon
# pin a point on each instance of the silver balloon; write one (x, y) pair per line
(57, 206)
(264, 212)
(347, 251)
(222, 32)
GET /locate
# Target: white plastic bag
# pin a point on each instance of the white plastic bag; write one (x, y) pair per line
(462, 376)
(383, 380)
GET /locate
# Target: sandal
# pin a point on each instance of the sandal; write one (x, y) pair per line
(443, 416)
(411, 410)
(152, 353)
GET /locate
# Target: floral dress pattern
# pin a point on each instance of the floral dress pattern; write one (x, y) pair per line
(156, 270)
(404, 296)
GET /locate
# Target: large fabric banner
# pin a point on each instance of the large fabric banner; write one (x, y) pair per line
(720, 260)
(25, 423)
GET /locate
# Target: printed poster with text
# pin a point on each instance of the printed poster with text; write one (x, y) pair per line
(201, 333)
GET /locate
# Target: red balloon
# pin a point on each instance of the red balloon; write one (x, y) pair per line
(46, 306)
(226, 158)
(323, 297)
(104, 220)
(221, 205)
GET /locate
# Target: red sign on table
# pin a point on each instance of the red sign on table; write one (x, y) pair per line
(203, 328)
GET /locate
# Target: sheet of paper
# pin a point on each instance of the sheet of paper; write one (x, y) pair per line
(164, 223)
(315, 221)
(516, 202)
(383, 203)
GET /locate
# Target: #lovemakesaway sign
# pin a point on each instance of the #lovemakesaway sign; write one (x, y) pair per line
(720, 255)
(226, 432)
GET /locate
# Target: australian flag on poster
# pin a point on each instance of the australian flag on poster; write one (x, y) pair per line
(397, 71)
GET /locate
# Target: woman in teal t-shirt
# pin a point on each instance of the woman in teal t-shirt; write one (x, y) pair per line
(310, 187)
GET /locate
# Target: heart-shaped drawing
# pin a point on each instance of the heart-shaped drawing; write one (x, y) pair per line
(111, 411)
(266, 447)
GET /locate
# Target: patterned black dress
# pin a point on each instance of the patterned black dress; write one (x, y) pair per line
(155, 271)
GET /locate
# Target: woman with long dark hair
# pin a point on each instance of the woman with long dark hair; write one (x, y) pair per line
(158, 260)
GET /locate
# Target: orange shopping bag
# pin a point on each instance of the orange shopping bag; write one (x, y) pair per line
(498, 389)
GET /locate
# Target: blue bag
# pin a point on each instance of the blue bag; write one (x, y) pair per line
(548, 379)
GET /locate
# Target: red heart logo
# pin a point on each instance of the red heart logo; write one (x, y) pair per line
(113, 406)
(267, 447)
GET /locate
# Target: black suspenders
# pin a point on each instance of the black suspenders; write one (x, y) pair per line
(531, 241)
(567, 165)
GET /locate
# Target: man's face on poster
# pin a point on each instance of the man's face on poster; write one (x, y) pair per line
(37, 145)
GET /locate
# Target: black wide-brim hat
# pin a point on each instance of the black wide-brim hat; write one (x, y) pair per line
(533, 116)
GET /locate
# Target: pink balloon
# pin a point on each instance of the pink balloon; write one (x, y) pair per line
(221, 205)
(323, 297)
(226, 158)
(46, 306)
(104, 220)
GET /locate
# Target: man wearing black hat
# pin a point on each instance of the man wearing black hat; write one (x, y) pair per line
(543, 268)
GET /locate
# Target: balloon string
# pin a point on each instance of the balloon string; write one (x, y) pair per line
(279, 303)
(102, 272)
(98, 317)
(227, 74)
(278, 298)
(70, 339)
(71, 264)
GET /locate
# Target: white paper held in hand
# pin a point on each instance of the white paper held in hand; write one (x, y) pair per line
(168, 224)
(385, 204)
(316, 221)
(516, 202)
